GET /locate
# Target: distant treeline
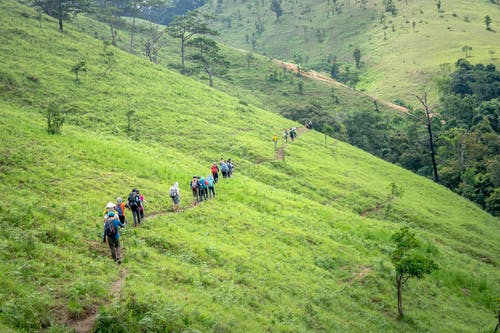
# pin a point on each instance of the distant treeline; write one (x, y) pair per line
(465, 127)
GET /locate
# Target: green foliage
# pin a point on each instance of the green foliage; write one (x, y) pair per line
(79, 67)
(55, 118)
(469, 140)
(408, 261)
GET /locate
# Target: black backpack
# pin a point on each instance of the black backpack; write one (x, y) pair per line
(133, 200)
(109, 228)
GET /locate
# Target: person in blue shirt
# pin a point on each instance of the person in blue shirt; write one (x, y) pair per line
(111, 233)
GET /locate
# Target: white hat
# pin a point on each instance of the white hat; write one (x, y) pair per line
(110, 205)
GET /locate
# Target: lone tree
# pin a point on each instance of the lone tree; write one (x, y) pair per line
(466, 49)
(79, 67)
(186, 26)
(62, 9)
(487, 21)
(276, 8)
(357, 57)
(408, 261)
(208, 57)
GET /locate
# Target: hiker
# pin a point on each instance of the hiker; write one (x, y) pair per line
(176, 196)
(202, 188)
(194, 188)
(134, 203)
(111, 233)
(285, 135)
(309, 124)
(275, 140)
(215, 172)
(293, 133)
(110, 207)
(142, 202)
(224, 168)
(230, 167)
(120, 209)
(211, 186)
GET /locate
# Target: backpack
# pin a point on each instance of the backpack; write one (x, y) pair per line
(109, 228)
(194, 184)
(201, 183)
(210, 182)
(214, 168)
(172, 192)
(133, 200)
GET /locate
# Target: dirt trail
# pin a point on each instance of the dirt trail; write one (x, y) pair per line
(317, 76)
(86, 324)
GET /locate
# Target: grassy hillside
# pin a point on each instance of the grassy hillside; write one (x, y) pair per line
(399, 53)
(300, 245)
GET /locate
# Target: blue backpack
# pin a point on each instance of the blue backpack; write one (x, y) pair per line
(210, 182)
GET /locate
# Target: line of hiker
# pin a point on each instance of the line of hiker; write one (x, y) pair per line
(202, 188)
(292, 132)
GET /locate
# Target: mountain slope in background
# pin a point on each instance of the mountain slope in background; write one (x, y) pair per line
(400, 53)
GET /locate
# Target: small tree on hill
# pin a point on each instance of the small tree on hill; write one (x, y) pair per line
(466, 49)
(357, 57)
(408, 261)
(487, 21)
(390, 7)
(186, 26)
(79, 67)
(276, 8)
(55, 118)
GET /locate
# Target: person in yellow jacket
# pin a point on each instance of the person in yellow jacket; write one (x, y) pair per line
(275, 140)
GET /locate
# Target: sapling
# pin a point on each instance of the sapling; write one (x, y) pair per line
(408, 261)
(81, 66)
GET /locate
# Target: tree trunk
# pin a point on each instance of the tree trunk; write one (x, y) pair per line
(433, 152)
(111, 26)
(182, 52)
(399, 284)
(423, 101)
(59, 15)
(132, 30)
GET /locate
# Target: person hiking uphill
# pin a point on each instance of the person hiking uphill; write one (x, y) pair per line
(202, 188)
(285, 135)
(175, 195)
(275, 141)
(193, 184)
(120, 209)
(142, 201)
(224, 168)
(211, 186)
(230, 167)
(215, 172)
(134, 203)
(293, 133)
(111, 233)
(110, 207)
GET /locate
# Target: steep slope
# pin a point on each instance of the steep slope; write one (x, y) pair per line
(399, 53)
(299, 245)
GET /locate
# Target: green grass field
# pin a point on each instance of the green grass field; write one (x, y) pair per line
(397, 59)
(300, 245)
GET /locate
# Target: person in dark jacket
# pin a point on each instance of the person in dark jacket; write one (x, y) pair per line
(112, 235)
